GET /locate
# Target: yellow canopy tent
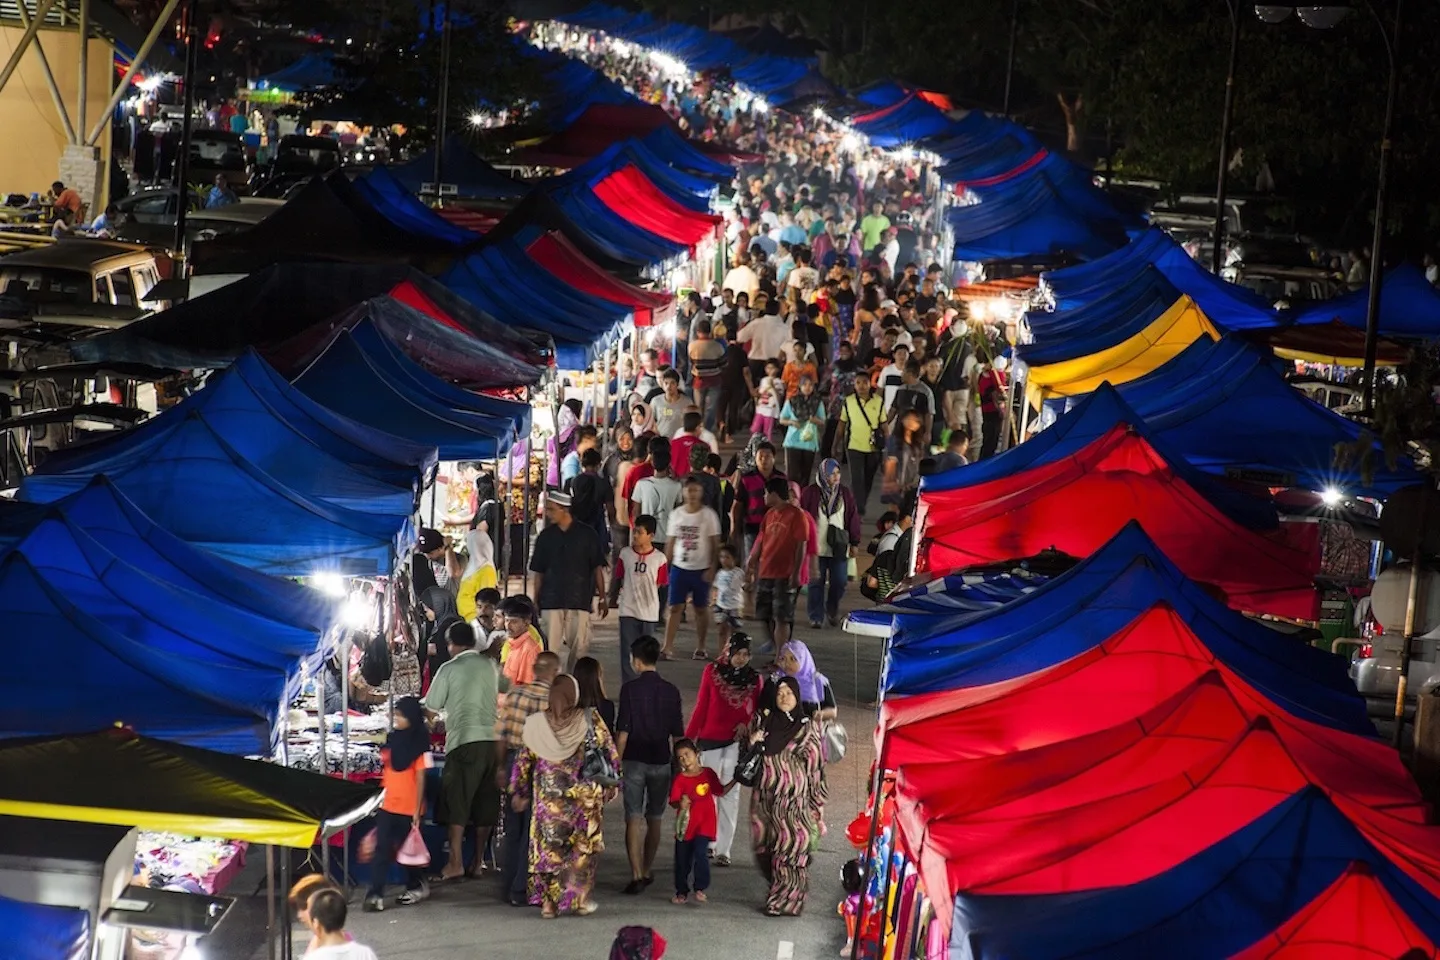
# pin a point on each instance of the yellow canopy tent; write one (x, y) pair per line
(118, 777)
(1151, 348)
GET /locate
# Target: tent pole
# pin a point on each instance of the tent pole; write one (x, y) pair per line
(503, 574)
(877, 782)
(525, 517)
(1011, 435)
(345, 756)
(287, 947)
(324, 767)
(270, 930)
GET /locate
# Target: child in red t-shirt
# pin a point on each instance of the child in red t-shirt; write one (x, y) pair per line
(692, 794)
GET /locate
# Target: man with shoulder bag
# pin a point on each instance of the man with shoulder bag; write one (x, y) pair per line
(861, 437)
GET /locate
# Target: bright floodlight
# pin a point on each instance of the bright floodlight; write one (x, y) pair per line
(150, 84)
(1331, 497)
(818, 113)
(476, 119)
(1273, 12)
(330, 584)
(1322, 17)
(760, 105)
(358, 612)
(907, 153)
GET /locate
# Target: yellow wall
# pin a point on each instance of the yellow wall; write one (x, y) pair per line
(33, 136)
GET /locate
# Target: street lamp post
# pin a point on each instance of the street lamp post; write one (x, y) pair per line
(1323, 17)
(1222, 176)
(1010, 56)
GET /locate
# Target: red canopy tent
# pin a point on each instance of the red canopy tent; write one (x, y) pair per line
(1076, 504)
(1119, 764)
(1355, 912)
(632, 197)
(562, 258)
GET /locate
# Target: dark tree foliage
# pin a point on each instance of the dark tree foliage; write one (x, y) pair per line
(1141, 84)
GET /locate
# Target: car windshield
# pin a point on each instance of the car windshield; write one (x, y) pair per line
(46, 285)
(219, 152)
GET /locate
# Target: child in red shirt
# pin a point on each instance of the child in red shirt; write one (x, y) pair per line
(692, 794)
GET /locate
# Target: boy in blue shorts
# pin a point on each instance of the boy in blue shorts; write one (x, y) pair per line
(693, 546)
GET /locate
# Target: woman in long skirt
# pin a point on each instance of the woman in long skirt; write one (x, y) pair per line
(787, 805)
(566, 828)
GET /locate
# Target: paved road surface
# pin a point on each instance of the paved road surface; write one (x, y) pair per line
(470, 921)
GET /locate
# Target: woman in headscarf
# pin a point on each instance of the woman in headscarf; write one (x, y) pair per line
(798, 664)
(804, 415)
(438, 606)
(787, 805)
(729, 695)
(567, 421)
(479, 570)
(637, 943)
(837, 535)
(566, 826)
(642, 423)
(406, 756)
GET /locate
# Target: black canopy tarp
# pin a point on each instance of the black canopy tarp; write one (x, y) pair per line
(472, 177)
(117, 776)
(284, 301)
(320, 223)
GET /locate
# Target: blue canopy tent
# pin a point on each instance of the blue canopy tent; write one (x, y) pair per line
(679, 153)
(108, 676)
(504, 281)
(473, 178)
(345, 379)
(1100, 323)
(1231, 896)
(908, 120)
(257, 434)
(34, 931)
(633, 243)
(201, 489)
(1409, 306)
(310, 72)
(107, 515)
(1050, 209)
(1226, 408)
(391, 360)
(1228, 305)
(1220, 409)
(687, 189)
(1094, 601)
(399, 205)
(159, 614)
(949, 596)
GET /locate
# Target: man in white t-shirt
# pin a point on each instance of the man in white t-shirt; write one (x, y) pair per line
(764, 339)
(741, 278)
(656, 496)
(892, 377)
(693, 546)
(327, 912)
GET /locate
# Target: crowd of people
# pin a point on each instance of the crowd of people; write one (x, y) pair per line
(828, 371)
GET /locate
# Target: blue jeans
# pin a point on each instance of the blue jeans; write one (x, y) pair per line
(818, 603)
(692, 856)
(708, 399)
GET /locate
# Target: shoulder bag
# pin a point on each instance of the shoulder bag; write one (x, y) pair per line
(596, 766)
(747, 769)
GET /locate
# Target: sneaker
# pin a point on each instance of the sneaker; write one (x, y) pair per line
(373, 904)
(411, 897)
(815, 624)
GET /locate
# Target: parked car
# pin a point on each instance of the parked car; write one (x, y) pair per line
(1376, 666)
(295, 158)
(75, 271)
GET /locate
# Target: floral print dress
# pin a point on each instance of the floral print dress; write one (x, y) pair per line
(787, 807)
(566, 825)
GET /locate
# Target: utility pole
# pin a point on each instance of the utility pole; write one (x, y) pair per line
(182, 162)
(442, 105)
